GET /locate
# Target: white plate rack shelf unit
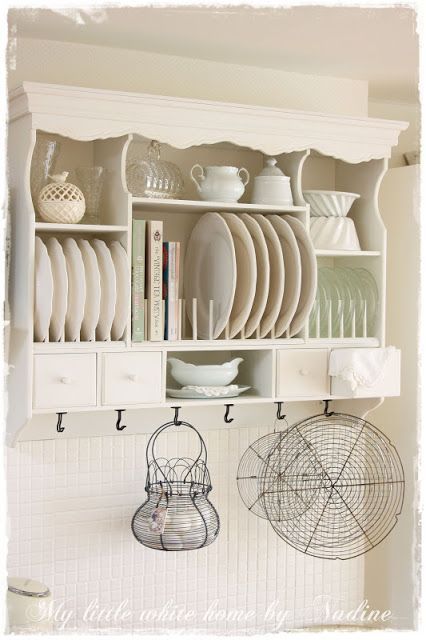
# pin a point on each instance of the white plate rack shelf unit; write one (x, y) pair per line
(107, 128)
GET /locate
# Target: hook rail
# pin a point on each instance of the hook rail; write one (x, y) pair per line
(59, 427)
(226, 417)
(118, 424)
(176, 420)
(280, 416)
(327, 413)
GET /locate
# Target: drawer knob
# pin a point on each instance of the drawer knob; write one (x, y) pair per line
(304, 372)
(133, 377)
(66, 380)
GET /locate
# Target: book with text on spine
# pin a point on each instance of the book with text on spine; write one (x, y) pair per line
(166, 250)
(155, 279)
(138, 280)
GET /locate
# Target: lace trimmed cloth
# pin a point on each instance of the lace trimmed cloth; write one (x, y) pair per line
(359, 367)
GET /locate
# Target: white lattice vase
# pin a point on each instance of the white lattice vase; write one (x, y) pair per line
(61, 201)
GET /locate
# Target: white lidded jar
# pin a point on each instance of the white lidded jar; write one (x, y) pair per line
(28, 606)
(271, 186)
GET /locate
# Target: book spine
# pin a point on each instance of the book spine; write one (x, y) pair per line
(138, 280)
(155, 279)
(176, 291)
(166, 259)
(172, 295)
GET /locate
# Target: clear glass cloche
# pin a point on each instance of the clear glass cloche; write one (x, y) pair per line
(152, 177)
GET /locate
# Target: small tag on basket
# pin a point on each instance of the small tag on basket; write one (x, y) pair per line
(158, 520)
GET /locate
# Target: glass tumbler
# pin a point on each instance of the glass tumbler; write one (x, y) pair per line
(91, 181)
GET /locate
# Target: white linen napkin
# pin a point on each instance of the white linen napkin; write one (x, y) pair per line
(359, 367)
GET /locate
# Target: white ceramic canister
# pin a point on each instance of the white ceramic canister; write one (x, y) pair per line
(271, 186)
(220, 184)
(28, 606)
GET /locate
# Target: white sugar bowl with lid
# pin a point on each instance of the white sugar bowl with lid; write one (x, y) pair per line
(271, 186)
(28, 606)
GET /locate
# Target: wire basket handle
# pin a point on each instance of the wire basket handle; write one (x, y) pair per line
(150, 448)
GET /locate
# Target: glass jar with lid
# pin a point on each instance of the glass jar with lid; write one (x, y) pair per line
(152, 177)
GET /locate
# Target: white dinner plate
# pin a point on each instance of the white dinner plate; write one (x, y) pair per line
(60, 289)
(234, 391)
(309, 275)
(245, 256)
(76, 290)
(92, 305)
(43, 292)
(293, 273)
(210, 273)
(276, 276)
(108, 290)
(262, 268)
(119, 258)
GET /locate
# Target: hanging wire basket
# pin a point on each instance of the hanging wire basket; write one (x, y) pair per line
(332, 486)
(177, 515)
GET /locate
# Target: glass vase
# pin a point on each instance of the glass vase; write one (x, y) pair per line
(91, 181)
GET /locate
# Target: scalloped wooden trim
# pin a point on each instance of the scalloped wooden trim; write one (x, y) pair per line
(85, 114)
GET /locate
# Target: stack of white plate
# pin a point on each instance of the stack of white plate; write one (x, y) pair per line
(347, 301)
(81, 291)
(259, 271)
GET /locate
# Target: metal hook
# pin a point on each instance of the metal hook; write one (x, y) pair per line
(176, 420)
(118, 424)
(280, 416)
(59, 428)
(327, 413)
(226, 417)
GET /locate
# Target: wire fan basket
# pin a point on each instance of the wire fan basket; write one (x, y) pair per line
(177, 516)
(332, 486)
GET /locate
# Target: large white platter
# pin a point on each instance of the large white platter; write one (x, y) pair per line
(60, 289)
(210, 273)
(119, 258)
(92, 305)
(108, 290)
(276, 276)
(43, 292)
(245, 256)
(76, 290)
(293, 273)
(262, 283)
(309, 275)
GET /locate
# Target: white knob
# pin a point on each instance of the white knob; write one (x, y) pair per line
(66, 380)
(303, 372)
(133, 377)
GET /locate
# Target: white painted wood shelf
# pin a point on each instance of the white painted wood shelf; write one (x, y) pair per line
(98, 127)
(168, 205)
(93, 229)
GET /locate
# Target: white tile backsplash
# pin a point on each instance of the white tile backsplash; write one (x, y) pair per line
(70, 506)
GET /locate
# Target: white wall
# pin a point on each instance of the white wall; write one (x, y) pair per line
(70, 508)
(392, 572)
(126, 70)
(409, 140)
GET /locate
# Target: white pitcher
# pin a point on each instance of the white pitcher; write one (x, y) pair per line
(220, 184)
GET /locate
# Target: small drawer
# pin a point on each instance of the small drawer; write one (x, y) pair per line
(64, 381)
(131, 378)
(302, 373)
